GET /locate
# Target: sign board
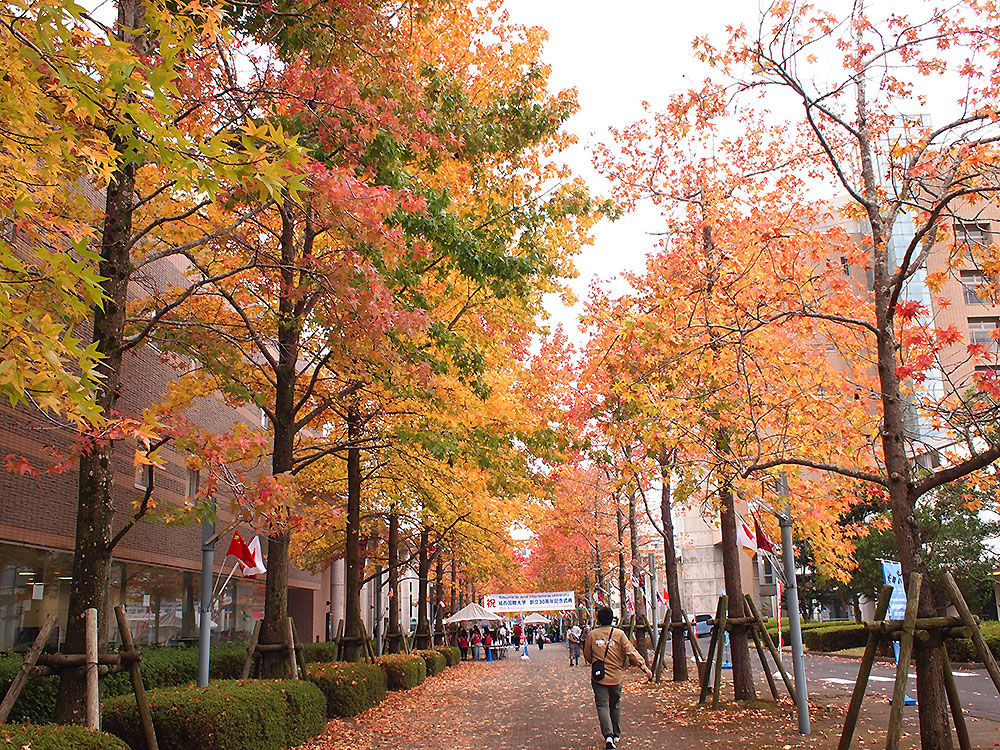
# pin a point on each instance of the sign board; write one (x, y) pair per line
(892, 574)
(546, 601)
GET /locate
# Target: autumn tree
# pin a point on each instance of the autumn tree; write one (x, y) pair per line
(907, 182)
(119, 117)
(707, 359)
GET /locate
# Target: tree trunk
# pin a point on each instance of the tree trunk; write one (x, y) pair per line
(273, 627)
(932, 706)
(638, 593)
(439, 598)
(353, 630)
(95, 493)
(620, 521)
(423, 635)
(739, 647)
(454, 582)
(677, 642)
(394, 632)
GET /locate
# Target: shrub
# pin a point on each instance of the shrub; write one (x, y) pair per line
(835, 638)
(452, 654)
(349, 688)
(37, 701)
(305, 711)
(403, 671)
(319, 652)
(226, 715)
(435, 661)
(161, 667)
(963, 649)
(58, 738)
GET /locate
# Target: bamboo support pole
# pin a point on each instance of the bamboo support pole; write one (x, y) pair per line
(705, 669)
(251, 651)
(951, 688)
(699, 657)
(299, 653)
(720, 640)
(290, 645)
(661, 647)
(861, 684)
(141, 702)
(785, 677)
(21, 678)
(763, 661)
(977, 637)
(340, 639)
(922, 623)
(903, 665)
(93, 696)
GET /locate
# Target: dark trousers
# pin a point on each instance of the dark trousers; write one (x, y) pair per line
(607, 699)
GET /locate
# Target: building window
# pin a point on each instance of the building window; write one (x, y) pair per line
(143, 476)
(971, 280)
(193, 483)
(845, 266)
(982, 331)
(766, 570)
(977, 234)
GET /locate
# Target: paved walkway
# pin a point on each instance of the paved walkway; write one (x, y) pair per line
(545, 704)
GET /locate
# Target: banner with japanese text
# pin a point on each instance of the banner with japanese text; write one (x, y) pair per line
(538, 602)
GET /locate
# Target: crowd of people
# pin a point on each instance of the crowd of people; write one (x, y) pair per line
(474, 642)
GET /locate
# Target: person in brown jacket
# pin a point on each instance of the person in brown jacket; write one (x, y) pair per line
(612, 646)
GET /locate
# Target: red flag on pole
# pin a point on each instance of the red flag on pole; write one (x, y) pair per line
(762, 541)
(239, 549)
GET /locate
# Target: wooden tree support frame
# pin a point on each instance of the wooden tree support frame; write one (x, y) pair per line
(909, 628)
(94, 664)
(675, 628)
(289, 649)
(762, 641)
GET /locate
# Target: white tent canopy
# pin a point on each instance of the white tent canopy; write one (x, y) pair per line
(536, 619)
(473, 613)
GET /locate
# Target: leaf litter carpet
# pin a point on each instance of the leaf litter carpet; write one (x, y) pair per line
(545, 704)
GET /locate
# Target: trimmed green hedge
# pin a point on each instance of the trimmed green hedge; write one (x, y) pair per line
(835, 638)
(349, 688)
(226, 715)
(51, 737)
(37, 702)
(434, 659)
(452, 654)
(963, 649)
(319, 652)
(403, 671)
(161, 667)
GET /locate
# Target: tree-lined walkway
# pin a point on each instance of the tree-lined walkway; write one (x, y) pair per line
(544, 704)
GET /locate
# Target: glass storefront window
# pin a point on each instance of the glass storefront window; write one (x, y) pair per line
(161, 604)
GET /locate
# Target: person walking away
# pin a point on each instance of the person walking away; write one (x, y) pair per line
(610, 645)
(573, 642)
(540, 637)
(487, 643)
(463, 644)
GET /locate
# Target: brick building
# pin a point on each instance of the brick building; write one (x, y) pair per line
(157, 568)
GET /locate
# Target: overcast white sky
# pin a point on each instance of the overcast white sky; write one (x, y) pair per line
(618, 55)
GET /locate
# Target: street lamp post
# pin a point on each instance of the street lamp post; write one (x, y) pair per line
(792, 602)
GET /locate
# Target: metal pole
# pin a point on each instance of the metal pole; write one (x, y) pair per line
(792, 602)
(653, 588)
(205, 626)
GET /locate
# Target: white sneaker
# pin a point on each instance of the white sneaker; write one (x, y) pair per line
(609, 743)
